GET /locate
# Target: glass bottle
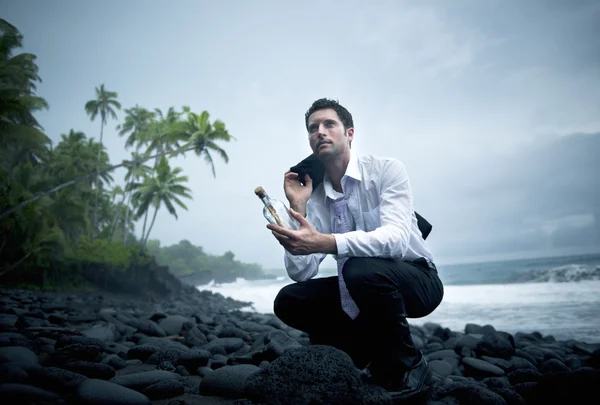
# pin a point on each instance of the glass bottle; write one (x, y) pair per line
(275, 211)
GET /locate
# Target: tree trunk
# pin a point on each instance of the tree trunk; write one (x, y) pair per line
(115, 223)
(151, 225)
(15, 265)
(144, 227)
(98, 177)
(125, 233)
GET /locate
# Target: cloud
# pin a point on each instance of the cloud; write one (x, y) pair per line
(481, 100)
(521, 201)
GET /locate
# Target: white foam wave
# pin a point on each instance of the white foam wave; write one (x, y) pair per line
(565, 310)
(563, 274)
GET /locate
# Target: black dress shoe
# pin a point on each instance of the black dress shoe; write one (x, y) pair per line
(415, 384)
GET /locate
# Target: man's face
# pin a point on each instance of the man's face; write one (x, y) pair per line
(326, 134)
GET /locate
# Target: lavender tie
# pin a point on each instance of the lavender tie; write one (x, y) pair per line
(340, 225)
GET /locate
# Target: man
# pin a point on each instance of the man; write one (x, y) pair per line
(362, 213)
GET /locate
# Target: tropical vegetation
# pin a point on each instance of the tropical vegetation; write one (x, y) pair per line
(63, 218)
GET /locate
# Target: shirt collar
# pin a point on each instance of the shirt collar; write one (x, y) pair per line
(352, 171)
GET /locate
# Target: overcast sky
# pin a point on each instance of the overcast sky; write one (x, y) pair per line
(482, 100)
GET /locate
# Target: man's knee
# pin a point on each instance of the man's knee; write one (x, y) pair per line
(284, 302)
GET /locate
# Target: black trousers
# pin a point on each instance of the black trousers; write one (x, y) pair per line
(387, 292)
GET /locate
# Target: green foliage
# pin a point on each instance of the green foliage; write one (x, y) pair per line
(61, 218)
(192, 264)
(113, 254)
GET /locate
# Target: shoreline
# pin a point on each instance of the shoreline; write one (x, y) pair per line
(201, 347)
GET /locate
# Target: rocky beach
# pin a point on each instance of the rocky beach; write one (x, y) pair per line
(198, 347)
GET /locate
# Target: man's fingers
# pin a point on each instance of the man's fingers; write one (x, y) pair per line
(291, 175)
(298, 217)
(281, 230)
(279, 237)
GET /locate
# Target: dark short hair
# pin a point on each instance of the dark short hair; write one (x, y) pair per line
(324, 103)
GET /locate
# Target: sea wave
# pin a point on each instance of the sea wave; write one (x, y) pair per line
(561, 274)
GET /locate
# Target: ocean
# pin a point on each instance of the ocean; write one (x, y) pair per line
(557, 296)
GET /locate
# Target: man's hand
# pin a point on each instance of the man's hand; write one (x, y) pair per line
(295, 192)
(306, 240)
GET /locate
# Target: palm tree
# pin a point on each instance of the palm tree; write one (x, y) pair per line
(164, 133)
(136, 170)
(197, 132)
(164, 188)
(103, 104)
(201, 136)
(137, 120)
(20, 133)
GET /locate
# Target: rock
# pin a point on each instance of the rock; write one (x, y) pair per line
(233, 331)
(433, 347)
(496, 382)
(164, 389)
(117, 348)
(13, 339)
(203, 371)
(523, 376)
(271, 346)
(442, 355)
(594, 360)
(574, 387)
(58, 319)
(193, 335)
(75, 352)
(8, 320)
(166, 365)
(110, 312)
(162, 343)
(467, 341)
(91, 370)
(172, 324)
(227, 382)
(497, 344)
(311, 375)
(553, 366)
(418, 342)
(218, 361)
(228, 345)
(25, 394)
(440, 367)
(100, 392)
(250, 327)
(510, 396)
(182, 371)
(138, 381)
(526, 356)
(150, 328)
(12, 373)
(517, 363)
(105, 333)
(17, 355)
(481, 368)
(534, 352)
(56, 379)
(472, 328)
(498, 362)
(66, 341)
(469, 392)
(142, 352)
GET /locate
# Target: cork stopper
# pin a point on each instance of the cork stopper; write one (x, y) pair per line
(259, 191)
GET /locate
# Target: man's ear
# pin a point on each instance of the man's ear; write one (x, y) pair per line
(350, 134)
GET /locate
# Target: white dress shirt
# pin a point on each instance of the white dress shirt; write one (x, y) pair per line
(383, 222)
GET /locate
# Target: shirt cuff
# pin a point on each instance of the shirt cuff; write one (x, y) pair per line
(341, 241)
